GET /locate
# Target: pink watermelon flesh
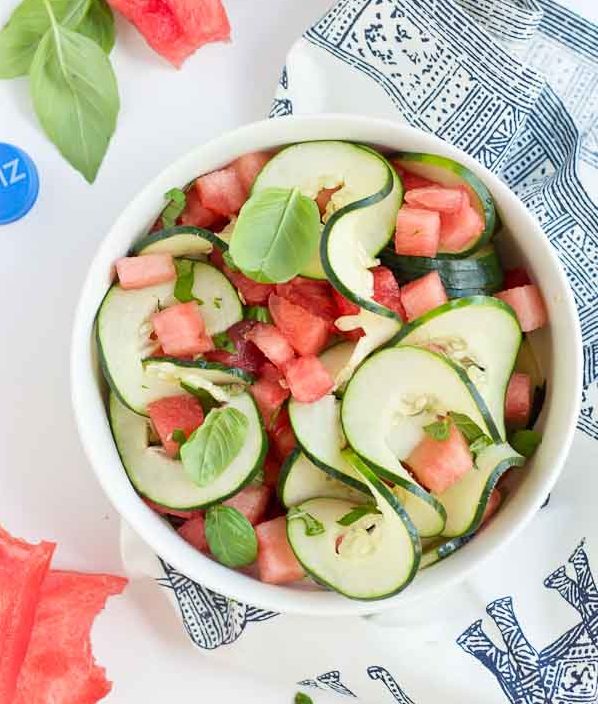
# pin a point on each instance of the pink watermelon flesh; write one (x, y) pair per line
(460, 229)
(23, 568)
(308, 379)
(222, 191)
(422, 295)
(252, 502)
(518, 400)
(272, 343)
(181, 331)
(411, 180)
(436, 198)
(307, 333)
(492, 506)
(417, 232)
(438, 464)
(269, 396)
(248, 167)
(195, 213)
(176, 28)
(172, 413)
(59, 665)
(528, 305)
(194, 532)
(276, 560)
(165, 511)
(146, 270)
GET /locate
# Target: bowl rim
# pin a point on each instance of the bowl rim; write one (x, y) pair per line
(152, 529)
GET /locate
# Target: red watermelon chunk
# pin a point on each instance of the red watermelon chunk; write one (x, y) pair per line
(438, 464)
(147, 270)
(528, 305)
(247, 355)
(181, 331)
(178, 513)
(270, 372)
(273, 344)
(307, 333)
(23, 568)
(314, 296)
(308, 379)
(271, 469)
(411, 180)
(438, 198)
(172, 413)
(515, 277)
(276, 560)
(387, 292)
(194, 532)
(518, 400)
(221, 191)
(494, 501)
(196, 214)
(176, 28)
(252, 292)
(461, 228)
(422, 295)
(417, 232)
(269, 396)
(59, 665)
(252, 502)
(282, 435)
(343, 305)
(248, 167)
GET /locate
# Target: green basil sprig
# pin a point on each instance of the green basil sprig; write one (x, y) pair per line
(259, 313)
(439, 429)
(276, 235)
(222, 341)
(231, 537)
(176, 202)
(185, 278)
(357, 513)
(98, 24)
(211, 448)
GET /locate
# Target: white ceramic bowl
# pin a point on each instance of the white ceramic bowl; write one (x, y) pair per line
(527, 245)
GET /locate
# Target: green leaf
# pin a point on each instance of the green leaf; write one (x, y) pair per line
(206, 400)
(470, 430)
(230, 536)
(525, 441)
(183, 288)
(301, 698)
(222, 341)
(479, 444)
(228, 260)
(179, 436)
(439, 429)
(75, 96)
(259, 313)
(27, 25)
(312, 525)
(211, 448)
(98, 24)
(177, 200)
(357, 513)
(277, 234)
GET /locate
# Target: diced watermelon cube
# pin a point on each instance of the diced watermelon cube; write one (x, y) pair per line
(438, 198)
(528, 305)
(251, 501)
(494, 501)
(343, 305)
(183, 412)
(146, 270)
(315, 296)
(323, 198)
(282, 435)
(276, 560)
(271, 469)
(518, 400)
(269, 396)
(194, 532)
(461, 228)
(386, 290)
(516, 277)
(308, 379)
(252, 292)
(411, 180)
(176, 28)
(196, 214)
(165, 511)
(181, 330)
(272, 343)
(221, 191)
(417, 232)
(422, 295)
(271, 372)
(438, 464)
(248, 167)
(307, 333)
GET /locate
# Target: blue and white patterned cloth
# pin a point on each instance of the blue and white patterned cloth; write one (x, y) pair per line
(515, 84)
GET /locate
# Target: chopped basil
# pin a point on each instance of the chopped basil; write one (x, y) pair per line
(525, 441)
(179, 436)
(312, 525)
(357, 513)
(479, 444)
(259, 313)
(439, 429)
(468, 428)
(183, 288)
(205, 398)
(217, 301)
(301, 698)
(222, 341)
(177, 200)
(230, 536)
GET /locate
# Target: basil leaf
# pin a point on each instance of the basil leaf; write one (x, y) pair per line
(228, 260)
(277, 234)
(479, 444)
(230, 536)
(222, 341)
(27, 25)
(98, 24)
(357, 513)
(177, 200)
(217, 301)
(439, 430)
(179, 436)
(525, 441)
(75, 96)
(312, 525)
(301, 698)
(206, 400)
(259, 313)
(214, 445)
(183, 288)
(470, 430)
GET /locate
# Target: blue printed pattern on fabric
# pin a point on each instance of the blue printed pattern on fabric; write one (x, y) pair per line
(330, 681)
(565, 672)
(210, 619)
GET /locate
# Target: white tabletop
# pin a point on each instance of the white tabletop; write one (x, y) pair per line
(47, 487)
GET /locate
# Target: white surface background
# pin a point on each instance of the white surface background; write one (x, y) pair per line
(47, 489)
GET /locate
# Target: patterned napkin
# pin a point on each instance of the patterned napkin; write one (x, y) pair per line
(515, 84)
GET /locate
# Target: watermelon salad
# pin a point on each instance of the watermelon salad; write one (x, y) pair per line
(319, 367)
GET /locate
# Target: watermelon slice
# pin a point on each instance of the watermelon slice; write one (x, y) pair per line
(148, 270)
(282, 435)
(252, 502)
(528, 305)
(269, 396)
(221, 191)
(422, 295)
(417, 232)
(248, 167)
(459, 228)
(387, 292)
(307, 333)
(172, 413)
(181, 331)
(276, 560)
(23, 568)
(518, 400)
(442, 200)
(308, 379)
(314, 296)
(59, 665)
(438, 464)
(196, 214)
(176, 28)
(273, 344)
(194, 532)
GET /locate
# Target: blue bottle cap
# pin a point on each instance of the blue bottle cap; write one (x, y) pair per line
(19, 183)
